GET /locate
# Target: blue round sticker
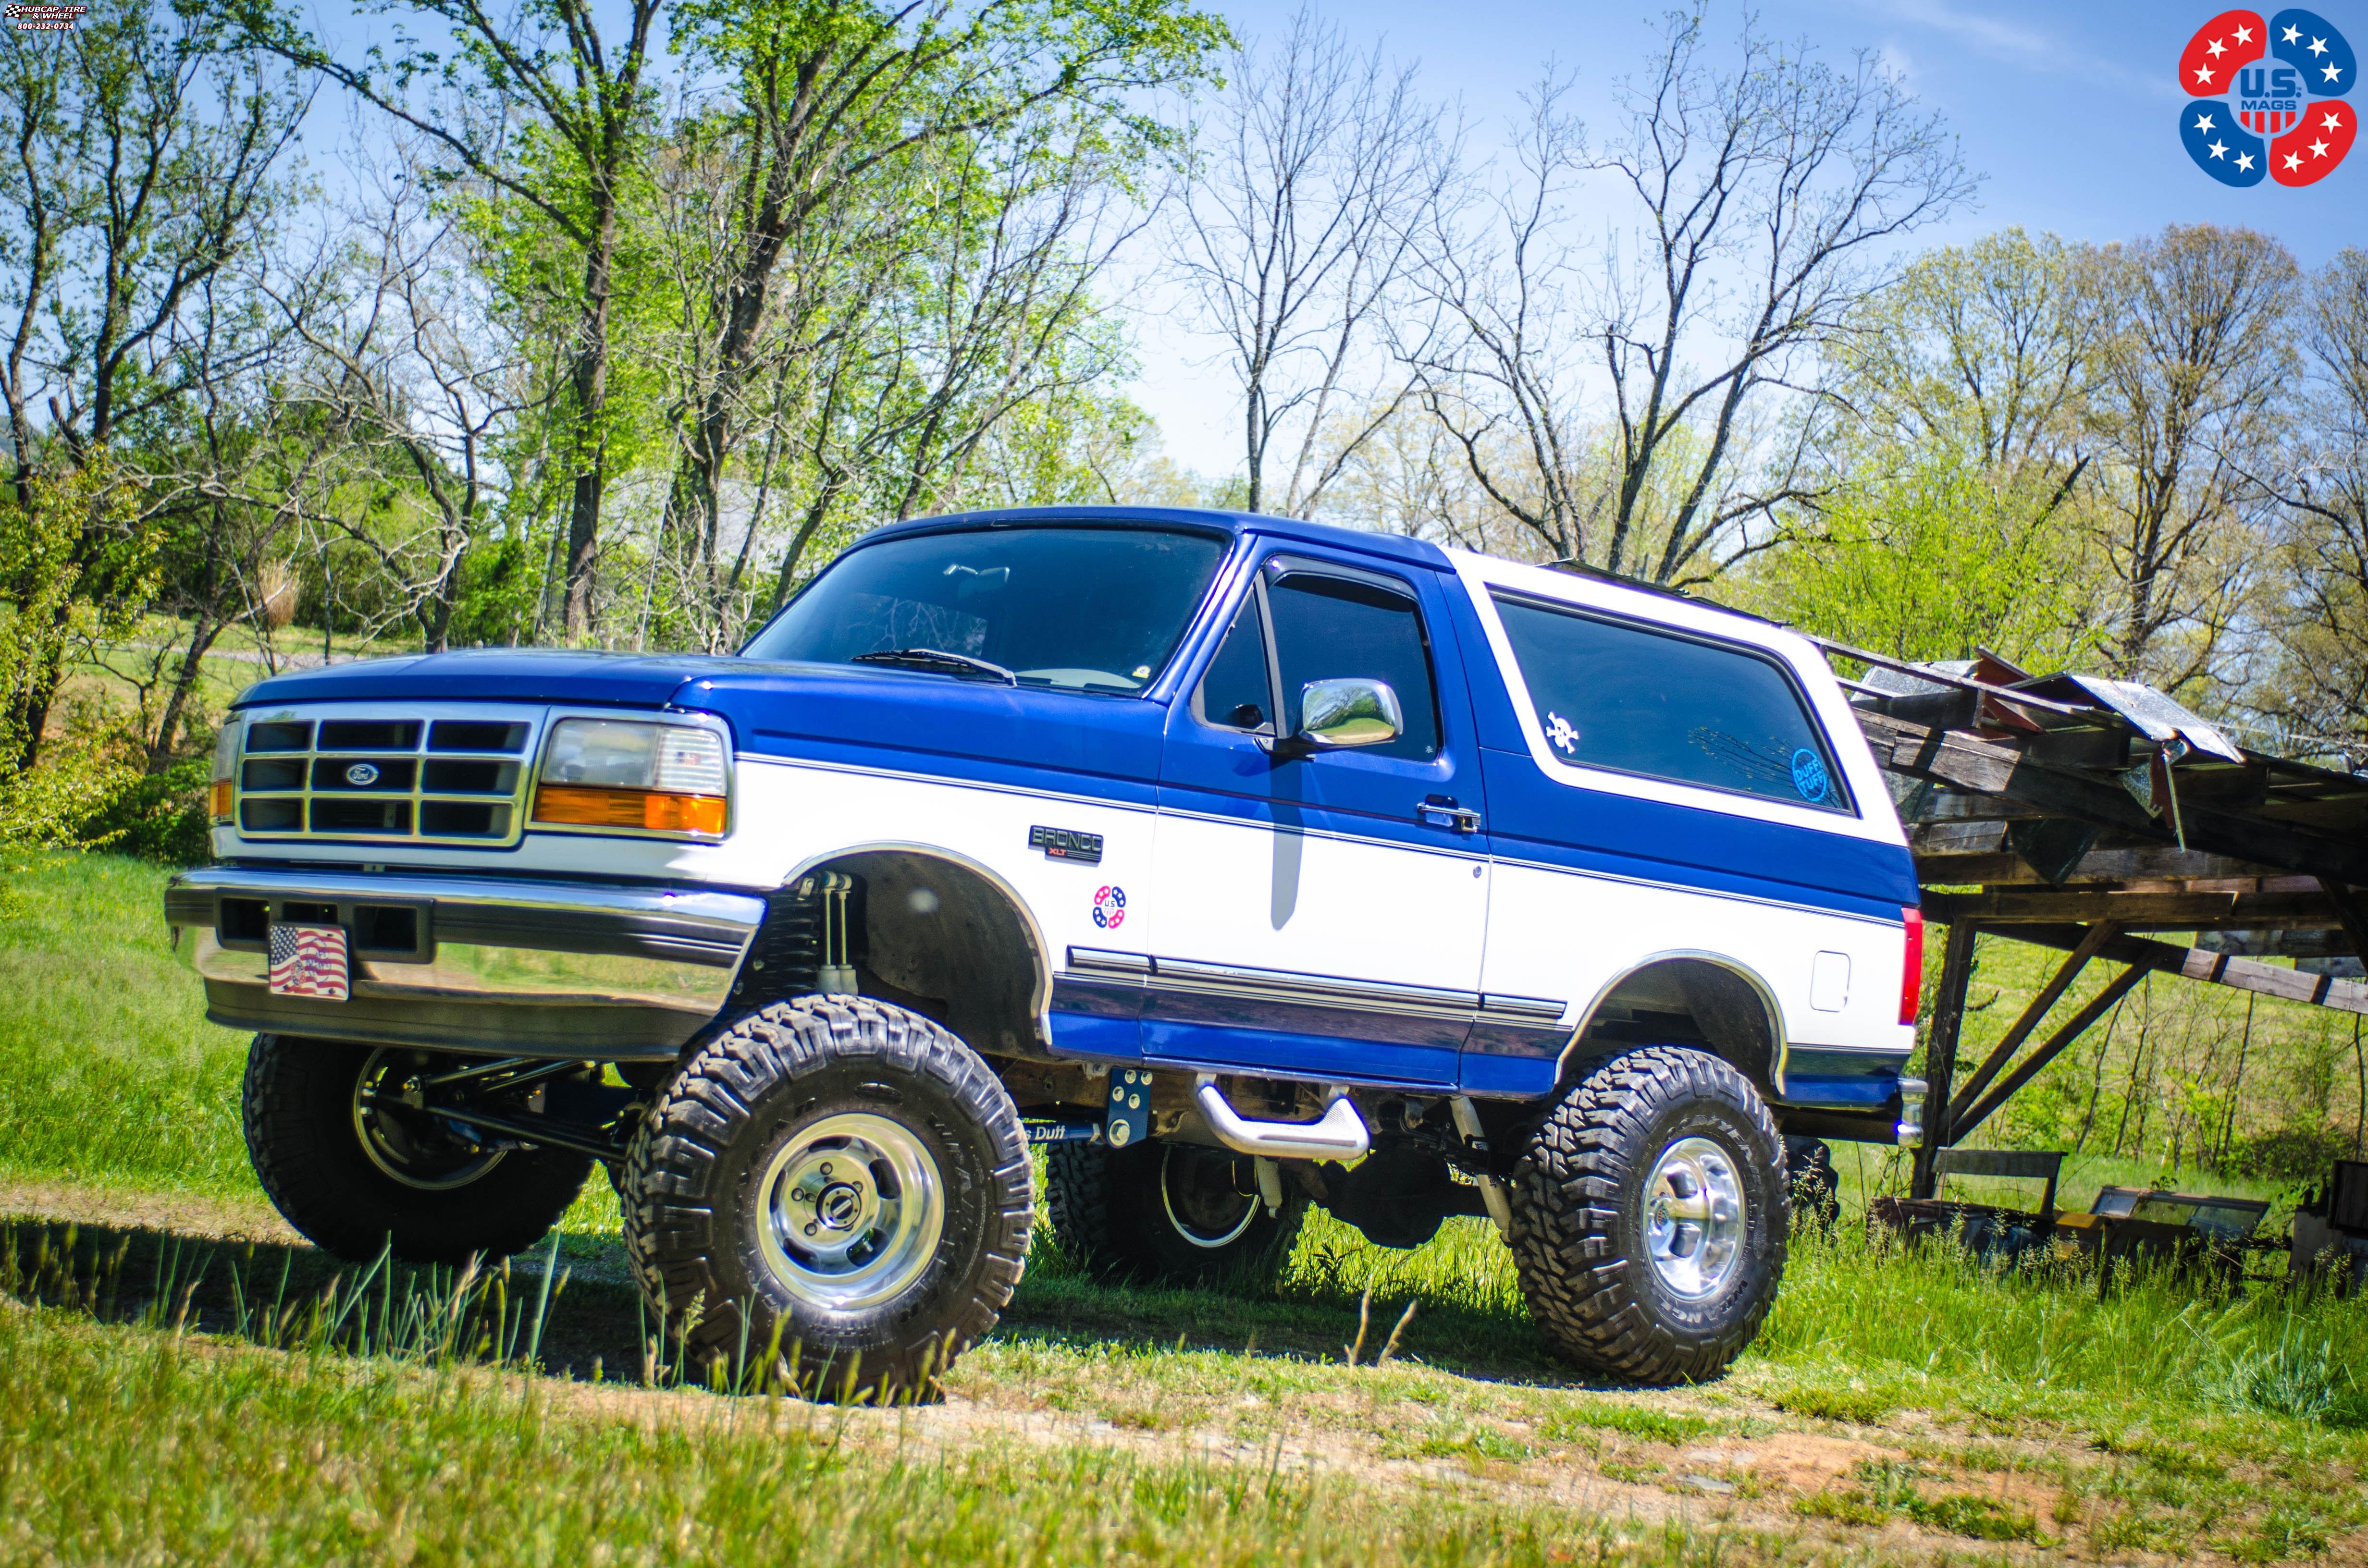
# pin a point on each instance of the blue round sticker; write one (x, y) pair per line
(1809, 775)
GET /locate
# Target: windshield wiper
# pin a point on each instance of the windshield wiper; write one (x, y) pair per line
(937, 659)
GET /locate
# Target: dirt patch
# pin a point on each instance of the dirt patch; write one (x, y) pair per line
(197, 1216)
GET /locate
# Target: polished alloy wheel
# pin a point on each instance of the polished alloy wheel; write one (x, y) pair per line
(852, 1210)
(1196, 1188)
(1694, 1218)
(410, 1146)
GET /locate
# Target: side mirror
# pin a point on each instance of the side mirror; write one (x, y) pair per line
(1335, 715)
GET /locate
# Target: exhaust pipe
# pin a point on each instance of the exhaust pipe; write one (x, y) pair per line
(1340, 1135)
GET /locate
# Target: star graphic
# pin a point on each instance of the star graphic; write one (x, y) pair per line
(2333, 121)
(2202, 122)
(2294, 160)
(2203, 73)
(2216, 49)
(2332, 71)
(2219, 149)
(2245, 162)
(2244, 35)
(2319, 46)
(2293, 35)
(2319, 149)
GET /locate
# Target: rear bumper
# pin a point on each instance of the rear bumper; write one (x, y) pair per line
(587, 971)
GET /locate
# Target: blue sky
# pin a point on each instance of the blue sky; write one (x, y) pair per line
(2069, 109)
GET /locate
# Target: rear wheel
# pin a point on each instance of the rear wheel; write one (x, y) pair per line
(355, 1173)
(1650, 1214)
(838, 1175)
(1176, 1213)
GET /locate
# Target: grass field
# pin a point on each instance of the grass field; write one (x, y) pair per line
(168, 1393)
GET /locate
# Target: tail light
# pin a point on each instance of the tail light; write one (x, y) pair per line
(1911, 966)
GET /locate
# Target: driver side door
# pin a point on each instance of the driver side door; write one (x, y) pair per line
(1320, 914)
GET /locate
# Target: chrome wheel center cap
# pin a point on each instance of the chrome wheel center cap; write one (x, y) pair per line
(1695, 1220)
(838, 1206)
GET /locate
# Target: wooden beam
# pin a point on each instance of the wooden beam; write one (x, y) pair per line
(2162, 911)
(1962, 861)
(2053, 1047)
(2218, 968)
(1941, 1052)
(2011, 1041)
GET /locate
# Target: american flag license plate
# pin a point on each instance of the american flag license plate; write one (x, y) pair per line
(309, 960)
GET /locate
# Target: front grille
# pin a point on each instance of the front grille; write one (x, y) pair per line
(409, 773)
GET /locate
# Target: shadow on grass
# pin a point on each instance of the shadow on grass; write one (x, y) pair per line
(591, 1323)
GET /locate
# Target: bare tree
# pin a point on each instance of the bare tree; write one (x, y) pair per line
(1765, 192)
(1508, 381)
(1303, 197)
(414, 373)
(589, 101)
(2193, 399)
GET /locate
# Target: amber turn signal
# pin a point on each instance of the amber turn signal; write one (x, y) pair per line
(218, 805)
(650, 811)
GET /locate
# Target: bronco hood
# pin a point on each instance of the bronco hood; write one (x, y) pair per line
(517, 675)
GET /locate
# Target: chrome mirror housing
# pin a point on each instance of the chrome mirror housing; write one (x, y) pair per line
(1350, 711)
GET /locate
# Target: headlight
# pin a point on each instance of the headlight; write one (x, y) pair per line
(218, 793)
(611, 773)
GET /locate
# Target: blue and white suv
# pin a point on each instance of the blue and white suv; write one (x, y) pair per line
(1244, 863)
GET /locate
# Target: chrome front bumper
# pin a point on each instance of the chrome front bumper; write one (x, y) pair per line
(593, 971)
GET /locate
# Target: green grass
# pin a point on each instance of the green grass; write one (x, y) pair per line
(1984, 1408)
(127, 1446)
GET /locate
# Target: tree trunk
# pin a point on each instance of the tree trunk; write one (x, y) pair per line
(591, 387)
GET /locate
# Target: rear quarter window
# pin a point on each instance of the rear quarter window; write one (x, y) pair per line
(1657, 704)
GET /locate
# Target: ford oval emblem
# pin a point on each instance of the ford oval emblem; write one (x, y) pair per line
(361, 776)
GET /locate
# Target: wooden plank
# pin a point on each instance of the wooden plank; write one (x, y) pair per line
(2044, 906)
(2009, 1043)
(1965, 859)
(1969, 762)
(2219, 969)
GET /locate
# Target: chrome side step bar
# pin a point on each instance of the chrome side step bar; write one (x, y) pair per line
(1340, 1135)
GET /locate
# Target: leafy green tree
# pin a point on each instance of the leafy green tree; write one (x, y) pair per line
(1935, 558)
(537, 104)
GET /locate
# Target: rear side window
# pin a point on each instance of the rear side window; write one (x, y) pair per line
(1633, 699)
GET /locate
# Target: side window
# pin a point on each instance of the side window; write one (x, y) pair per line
(1637, 700)
(1236, 693)
(1328, 627)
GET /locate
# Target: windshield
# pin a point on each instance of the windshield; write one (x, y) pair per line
(1079, 608)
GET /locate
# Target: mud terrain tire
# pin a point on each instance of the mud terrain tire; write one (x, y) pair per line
(304, 1138)
(1607, 1274)
(837, 1175)
(1168, 1214)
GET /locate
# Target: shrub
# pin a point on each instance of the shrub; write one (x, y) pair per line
(2289, 1153)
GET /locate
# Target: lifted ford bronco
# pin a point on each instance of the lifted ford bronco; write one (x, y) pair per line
(1241, 863)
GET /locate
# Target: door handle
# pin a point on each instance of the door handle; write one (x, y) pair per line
(1440, 810)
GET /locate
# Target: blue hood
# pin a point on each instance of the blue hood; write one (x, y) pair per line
(901, 720)
(517, 674)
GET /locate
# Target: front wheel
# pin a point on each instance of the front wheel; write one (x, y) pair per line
(838, 1175)
(1168, 1212)
(1650, 1214)
(355, 1173)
